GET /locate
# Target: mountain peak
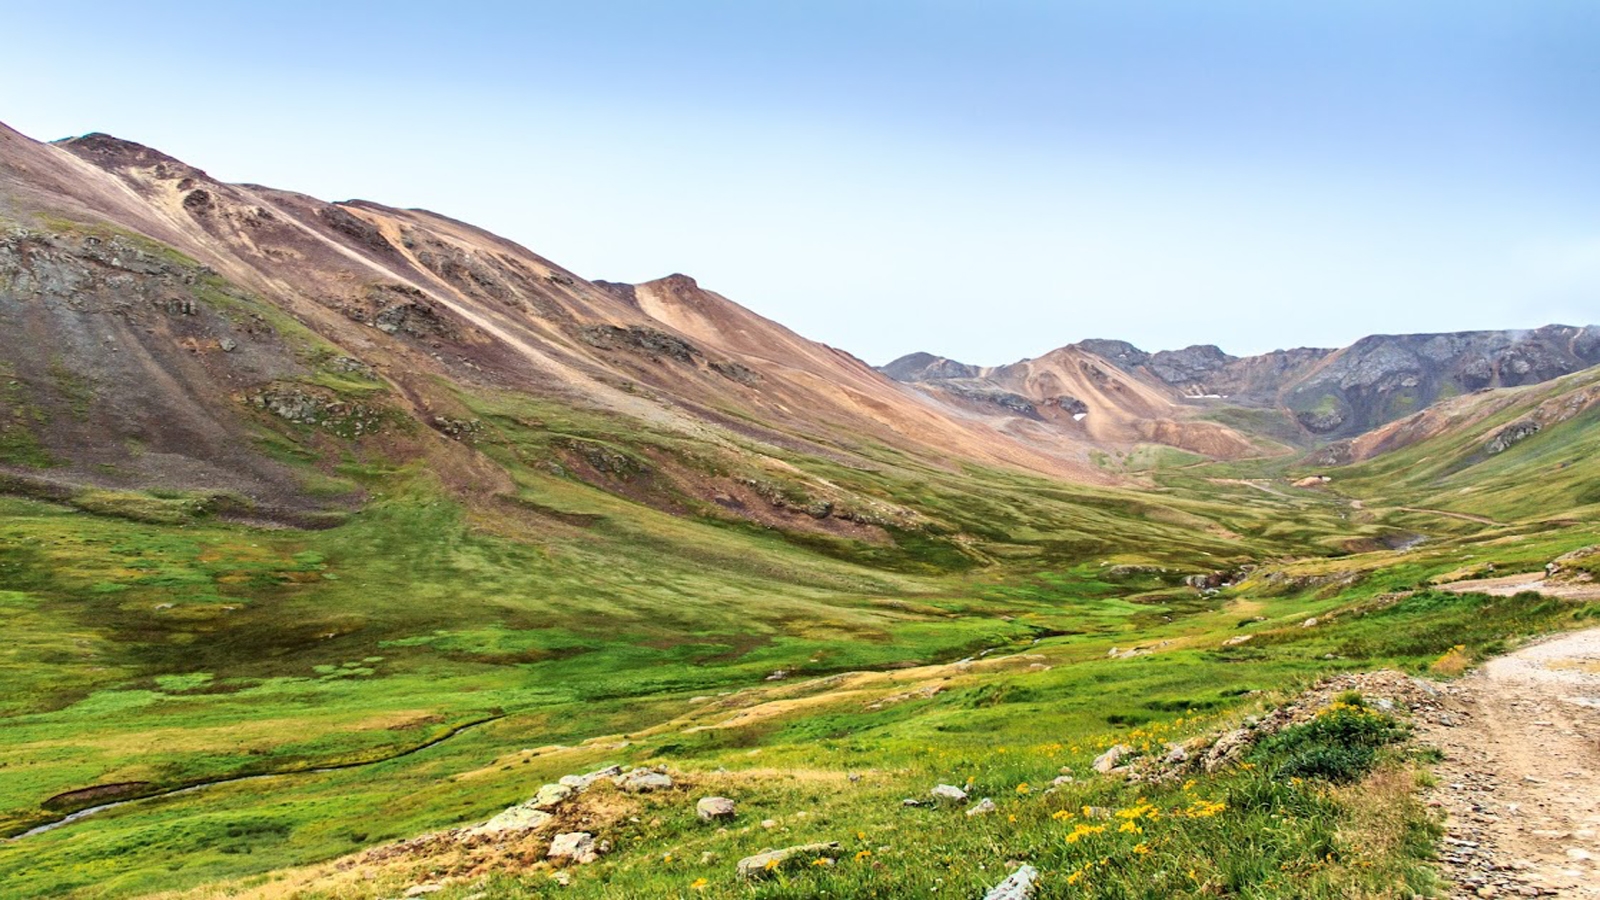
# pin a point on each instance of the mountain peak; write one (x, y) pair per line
(109, 151)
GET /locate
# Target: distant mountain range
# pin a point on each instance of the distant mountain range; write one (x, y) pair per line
(1321, 393)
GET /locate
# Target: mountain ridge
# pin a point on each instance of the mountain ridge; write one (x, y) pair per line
(1328, 394)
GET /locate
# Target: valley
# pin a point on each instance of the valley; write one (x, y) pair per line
(373, 523)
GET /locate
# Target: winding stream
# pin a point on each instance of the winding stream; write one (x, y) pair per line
(193, 788)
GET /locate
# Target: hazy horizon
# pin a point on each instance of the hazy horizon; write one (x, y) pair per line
(984, 183)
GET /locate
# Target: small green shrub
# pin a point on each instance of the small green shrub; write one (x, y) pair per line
(1339, 745)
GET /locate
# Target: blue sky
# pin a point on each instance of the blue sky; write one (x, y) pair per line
(984, 180)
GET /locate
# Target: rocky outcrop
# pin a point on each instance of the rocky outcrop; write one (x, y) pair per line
(1514, 433)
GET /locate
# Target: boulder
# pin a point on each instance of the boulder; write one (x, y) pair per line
(1018, 885)
(551, 795)
(769, 861)
(948, 792)
(714, 809)
(522, 817)
(643, 781)
(577, 846)
(983, 808)
(1110, 759)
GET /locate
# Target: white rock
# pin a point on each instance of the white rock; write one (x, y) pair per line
(714, 809)
(983, 808)
(1017, 886)
(948, 792)
(577, 846)
(643, 781)
(1108, 760)
(551, 796)
(518, 818)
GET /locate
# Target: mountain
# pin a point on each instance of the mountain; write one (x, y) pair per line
(163, 330)
(1310, 395)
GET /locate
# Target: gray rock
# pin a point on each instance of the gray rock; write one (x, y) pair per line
(1110, 759)
(983, 808)
(948, 792)
(643, 781)
(765, 863)
(715, 809)
(1017, 886)
(551, 795)
(522, 817)
(1228, 749)
(577, 846)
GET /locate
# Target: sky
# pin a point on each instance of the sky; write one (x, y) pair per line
(981, 180)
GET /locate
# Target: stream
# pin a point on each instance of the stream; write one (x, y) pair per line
(86, 812)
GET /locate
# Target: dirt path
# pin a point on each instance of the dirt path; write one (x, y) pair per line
(1511, 585)
(1520, 781)
(1466, 517)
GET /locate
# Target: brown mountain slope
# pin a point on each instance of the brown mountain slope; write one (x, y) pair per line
(280, 311)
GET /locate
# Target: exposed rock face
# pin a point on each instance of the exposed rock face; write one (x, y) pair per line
(1122, 353)
(1328, 394)
(1191, 366)
(1511, 434)
(1384, 377)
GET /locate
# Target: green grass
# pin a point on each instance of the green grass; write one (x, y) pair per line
(444, 656)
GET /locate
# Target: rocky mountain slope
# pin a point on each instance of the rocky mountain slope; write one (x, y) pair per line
(1321, 394)
(163, 330)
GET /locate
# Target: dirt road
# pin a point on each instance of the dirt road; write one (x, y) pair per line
(1521, 777)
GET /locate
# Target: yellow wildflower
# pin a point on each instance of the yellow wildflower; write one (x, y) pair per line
(1023, 788)
(1141, 848)
(1061, 815)
(699, 884)
(862, 854)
